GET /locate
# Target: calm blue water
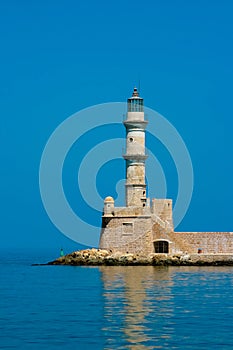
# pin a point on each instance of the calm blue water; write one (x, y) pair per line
(62, 307)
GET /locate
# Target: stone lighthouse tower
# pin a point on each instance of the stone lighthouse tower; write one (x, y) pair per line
(144, 226)
(140, 226)
(135, 124)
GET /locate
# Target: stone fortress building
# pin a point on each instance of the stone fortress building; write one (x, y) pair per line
(145, 226)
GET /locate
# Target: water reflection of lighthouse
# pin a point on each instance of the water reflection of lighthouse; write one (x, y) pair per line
(135, 299)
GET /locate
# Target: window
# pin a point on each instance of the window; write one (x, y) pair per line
(161, 247)
(135, 105)
(127, 228)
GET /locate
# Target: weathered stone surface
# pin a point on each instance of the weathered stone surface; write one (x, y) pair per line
(144, 225)
(208, 242)
(98, 257)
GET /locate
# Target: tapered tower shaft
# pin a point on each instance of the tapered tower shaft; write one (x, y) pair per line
(135, 124)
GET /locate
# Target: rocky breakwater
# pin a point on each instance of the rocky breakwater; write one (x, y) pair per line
(97, 257)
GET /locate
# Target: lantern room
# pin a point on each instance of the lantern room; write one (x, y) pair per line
(135, 103)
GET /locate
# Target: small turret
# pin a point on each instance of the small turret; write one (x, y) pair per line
(108, 206)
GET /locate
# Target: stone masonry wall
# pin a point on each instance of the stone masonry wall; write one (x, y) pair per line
(141, 245)
(132, 234)
(208, 242)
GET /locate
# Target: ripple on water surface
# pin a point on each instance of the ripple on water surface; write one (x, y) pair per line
(140, 307)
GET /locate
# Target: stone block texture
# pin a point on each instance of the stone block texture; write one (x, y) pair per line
(143, 227)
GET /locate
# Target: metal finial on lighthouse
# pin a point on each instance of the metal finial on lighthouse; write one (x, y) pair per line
(135, 92)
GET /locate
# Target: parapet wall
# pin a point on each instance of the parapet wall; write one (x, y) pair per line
(207, 242)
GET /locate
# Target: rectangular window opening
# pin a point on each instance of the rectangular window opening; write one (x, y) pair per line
(127, 228)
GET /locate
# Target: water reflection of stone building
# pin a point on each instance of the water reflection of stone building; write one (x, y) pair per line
(136, 298)
(145, 226)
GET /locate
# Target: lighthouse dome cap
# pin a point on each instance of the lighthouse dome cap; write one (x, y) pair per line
(135, 95)
(109, 199)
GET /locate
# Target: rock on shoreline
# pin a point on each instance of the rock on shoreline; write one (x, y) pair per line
(98, 257)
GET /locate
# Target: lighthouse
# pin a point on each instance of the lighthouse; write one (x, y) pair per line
(139, 226)
(135, 124)
(143, 226)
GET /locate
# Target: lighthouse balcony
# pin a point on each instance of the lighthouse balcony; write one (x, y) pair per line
(135, 157)
(135, 123)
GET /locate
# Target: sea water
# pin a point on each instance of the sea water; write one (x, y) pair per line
(141, 307)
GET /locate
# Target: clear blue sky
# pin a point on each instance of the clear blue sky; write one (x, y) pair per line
(58, 57)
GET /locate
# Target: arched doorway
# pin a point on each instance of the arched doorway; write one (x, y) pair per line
(161, 246)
